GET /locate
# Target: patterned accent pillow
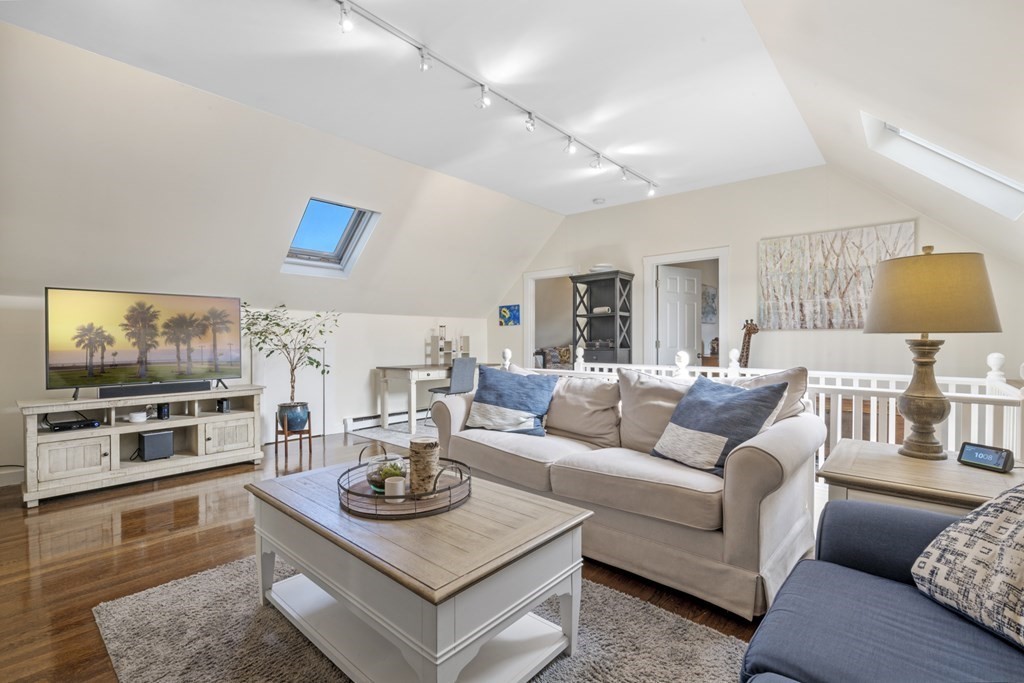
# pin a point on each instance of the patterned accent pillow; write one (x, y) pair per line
(509, 402)
(712, 419)
(976, 566)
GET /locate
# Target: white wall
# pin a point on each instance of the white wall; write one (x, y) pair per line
(736, 216)
(554, 312)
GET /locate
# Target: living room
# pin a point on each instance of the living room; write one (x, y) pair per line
(118, 176)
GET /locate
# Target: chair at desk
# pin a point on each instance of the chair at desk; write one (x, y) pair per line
(463, 370)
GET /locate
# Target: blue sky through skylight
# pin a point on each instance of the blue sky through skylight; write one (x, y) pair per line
(322, 226)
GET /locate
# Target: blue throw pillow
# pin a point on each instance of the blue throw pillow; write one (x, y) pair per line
(712, 419)
(508, 402)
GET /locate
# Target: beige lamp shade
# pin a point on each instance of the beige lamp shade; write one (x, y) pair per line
(932, 293)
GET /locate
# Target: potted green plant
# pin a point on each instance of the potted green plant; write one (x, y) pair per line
(299, 340)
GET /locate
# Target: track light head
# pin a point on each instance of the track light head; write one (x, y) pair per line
(531, 123)
(598, 162)
(346, 17)
(570, 145)
(426, 61)
(485, 98)
(650, 189)
(625, 176)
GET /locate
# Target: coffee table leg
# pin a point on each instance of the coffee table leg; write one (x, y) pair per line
(265, 568)
(569, 610)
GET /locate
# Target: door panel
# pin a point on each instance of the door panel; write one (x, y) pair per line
(678, 313)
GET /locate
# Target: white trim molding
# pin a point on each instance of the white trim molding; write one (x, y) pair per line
(528, 314)
(650, 267)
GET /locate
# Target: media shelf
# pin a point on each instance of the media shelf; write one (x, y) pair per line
(72, 461)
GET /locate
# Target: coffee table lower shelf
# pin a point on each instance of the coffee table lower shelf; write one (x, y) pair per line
(516, 654)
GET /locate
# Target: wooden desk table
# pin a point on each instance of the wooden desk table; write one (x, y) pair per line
(409, 374)
(864, 470)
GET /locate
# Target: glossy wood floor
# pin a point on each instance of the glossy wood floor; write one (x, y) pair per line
(63, 558)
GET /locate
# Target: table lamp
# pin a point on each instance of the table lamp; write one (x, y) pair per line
(925, 294)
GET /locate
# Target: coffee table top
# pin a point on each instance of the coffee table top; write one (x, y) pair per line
(437, 556)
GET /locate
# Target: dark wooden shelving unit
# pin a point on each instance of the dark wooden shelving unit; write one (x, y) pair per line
(605, 337)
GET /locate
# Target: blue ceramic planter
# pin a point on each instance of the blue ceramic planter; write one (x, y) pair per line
(294, 415)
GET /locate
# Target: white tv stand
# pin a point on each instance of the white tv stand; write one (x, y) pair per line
(72, 461)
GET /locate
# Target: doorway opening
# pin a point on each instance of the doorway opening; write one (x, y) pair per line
(685, 306)
(547, 319)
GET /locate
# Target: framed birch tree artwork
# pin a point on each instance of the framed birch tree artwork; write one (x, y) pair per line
(823, 280)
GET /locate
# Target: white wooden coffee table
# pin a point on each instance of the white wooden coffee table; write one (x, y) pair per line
(431, 599)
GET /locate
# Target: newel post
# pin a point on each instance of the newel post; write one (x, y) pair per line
(506, 359)
(578, 363)
(682, 362)
(734, 363)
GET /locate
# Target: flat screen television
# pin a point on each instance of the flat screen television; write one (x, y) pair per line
(100, 338)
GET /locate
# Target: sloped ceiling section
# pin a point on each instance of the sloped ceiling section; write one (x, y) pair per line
(116, 178)
(949, 72)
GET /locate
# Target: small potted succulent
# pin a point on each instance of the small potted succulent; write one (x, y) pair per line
(381, 467)
(300, 341)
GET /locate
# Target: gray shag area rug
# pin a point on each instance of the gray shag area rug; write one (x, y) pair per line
(209, 627)
(397, 433)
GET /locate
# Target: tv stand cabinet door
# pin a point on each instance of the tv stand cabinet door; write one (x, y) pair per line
(234, 435)
(73, 458)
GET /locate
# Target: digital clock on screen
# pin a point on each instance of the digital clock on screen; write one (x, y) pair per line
(986, 457)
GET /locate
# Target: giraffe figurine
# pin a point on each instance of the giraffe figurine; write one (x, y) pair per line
(750, 328)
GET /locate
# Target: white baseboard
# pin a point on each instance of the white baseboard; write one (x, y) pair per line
(353, 423)
(10, 476)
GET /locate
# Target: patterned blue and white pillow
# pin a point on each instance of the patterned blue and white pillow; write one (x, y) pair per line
(712, 419)
(508, 402)
(976, 566)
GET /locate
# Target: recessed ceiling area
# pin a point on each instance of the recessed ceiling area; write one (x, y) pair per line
(684, 92)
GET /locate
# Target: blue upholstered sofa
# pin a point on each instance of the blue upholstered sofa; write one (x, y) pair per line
(854, 613)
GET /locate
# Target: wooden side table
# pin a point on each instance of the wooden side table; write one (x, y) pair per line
(876, 472)
(282, 430)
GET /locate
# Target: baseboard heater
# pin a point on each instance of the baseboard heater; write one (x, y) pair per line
(354, 423)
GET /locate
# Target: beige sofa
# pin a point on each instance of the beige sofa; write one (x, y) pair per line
(731, 541)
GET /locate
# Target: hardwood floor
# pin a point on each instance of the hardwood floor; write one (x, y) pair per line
(63, 558)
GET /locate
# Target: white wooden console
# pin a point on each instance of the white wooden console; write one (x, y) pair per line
(59, 463)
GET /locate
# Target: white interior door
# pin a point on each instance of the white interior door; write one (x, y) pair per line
(678, 314)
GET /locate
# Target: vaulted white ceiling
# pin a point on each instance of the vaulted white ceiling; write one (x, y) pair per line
(684, 91)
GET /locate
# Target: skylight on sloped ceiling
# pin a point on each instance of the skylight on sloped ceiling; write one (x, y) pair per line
(1003, 195)
(329, 239)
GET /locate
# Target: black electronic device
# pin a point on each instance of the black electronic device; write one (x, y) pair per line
(73, 424)
(163, 411)
(223, 405)
(156, 445)
(985, 457)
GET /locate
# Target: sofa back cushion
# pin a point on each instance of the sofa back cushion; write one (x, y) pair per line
(795, 379)
(586, 410)
(647, 405)
(508, 402)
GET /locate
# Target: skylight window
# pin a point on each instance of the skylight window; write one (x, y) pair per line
(329, 239)
(1003, 195)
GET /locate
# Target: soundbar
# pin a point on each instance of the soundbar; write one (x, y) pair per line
(124, 390)
(73, 424)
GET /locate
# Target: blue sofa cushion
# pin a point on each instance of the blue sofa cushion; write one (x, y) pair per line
(510, 402)
(712, 419)
(976, 566)
(832, 623)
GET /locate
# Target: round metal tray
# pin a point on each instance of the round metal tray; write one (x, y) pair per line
(452, 487)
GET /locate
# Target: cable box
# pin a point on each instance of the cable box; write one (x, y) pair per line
(73, 424)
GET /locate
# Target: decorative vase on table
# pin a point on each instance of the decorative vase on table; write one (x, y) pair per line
(294, 415)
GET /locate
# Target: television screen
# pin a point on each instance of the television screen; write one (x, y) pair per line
(97, 338)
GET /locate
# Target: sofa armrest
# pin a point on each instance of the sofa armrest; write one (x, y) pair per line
(450, 414)
(769, 490)
(884, 540)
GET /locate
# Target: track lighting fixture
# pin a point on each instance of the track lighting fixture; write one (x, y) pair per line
(346, 17)
(425, 60)
(570, 145)
(485, 98)
(650, 189)
(531, 124)
(625, 176)
(598, 162)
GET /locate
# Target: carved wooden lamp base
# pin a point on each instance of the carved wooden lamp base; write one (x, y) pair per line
(923, 404)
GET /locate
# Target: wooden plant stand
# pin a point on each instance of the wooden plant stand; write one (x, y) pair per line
(282, 430)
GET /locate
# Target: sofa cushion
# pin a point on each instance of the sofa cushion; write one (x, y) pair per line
(515, 457)
(627, 480)
(509, 402)
(647, 404)
(586, 410)
(712, 419)
(794, 378)
(976, 566)
(832, 623)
